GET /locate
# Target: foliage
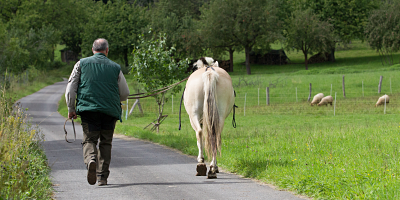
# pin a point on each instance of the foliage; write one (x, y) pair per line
(348, 17)
(383, 30)
(27, 37)
(215, 30)
(306, 33)
(155, 66)
(24, 172)
(120, 23)
(178, 19)
(242, 23)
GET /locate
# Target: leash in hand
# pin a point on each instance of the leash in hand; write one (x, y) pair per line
(65, 130)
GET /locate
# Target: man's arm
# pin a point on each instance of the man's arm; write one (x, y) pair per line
(123, 87)
(72, 89)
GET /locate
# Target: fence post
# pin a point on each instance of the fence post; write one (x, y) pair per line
(380, 85)
(309, 96)
(268, 96)
(172, 97)
(362, 83)
(344, 93)
(127, 108)
(334, 106)
(331, 89)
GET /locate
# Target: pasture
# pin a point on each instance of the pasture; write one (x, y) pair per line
(353, 154)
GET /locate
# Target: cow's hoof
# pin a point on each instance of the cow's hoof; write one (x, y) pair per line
(201, 169)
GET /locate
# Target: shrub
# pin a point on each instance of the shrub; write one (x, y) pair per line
(23, 167)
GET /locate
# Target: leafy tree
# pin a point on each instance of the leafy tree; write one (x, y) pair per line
(383, 30)
(306, 33)
(177, 18)
(28, 38)
(120, 23)
(216, 33)
(154, 65)
(348, 17)
(244, 23)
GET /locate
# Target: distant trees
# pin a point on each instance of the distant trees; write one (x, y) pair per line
(240, 23)
(306, 33)
(348, 17)
(178, 20)
(383, 30)
(120, 23)
(26, 37)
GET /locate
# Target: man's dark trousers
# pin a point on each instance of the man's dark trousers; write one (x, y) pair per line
(97, 126)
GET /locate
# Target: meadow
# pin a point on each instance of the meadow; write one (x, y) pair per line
(346, 151)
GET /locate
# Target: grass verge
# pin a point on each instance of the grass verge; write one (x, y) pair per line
(24, 171)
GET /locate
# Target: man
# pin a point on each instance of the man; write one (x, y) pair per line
(99, 86)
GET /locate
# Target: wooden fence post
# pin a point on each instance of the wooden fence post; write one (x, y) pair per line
(309, 96)
(268, 96)
(344, 92)
(380, 85)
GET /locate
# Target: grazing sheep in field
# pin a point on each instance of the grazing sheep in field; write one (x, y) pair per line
(381, 100)
(326, 100)
(317, 98)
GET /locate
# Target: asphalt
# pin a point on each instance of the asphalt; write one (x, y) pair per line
(139, 169)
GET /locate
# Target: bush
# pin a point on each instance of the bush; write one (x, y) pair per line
(24, 173)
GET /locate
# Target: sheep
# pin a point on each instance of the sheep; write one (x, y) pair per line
(381, 100)
(326, 100)
(317, 98)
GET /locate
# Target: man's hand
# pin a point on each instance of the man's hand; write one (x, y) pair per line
(72, 115)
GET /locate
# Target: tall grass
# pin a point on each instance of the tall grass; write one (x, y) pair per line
(24, 173)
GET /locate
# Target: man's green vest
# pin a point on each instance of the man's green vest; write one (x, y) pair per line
(98, 86)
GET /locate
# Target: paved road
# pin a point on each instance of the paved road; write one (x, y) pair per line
(139, 169)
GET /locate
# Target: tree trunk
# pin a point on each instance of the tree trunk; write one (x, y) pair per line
(332, 55)
(306, 60)
(231, 60)
(126, 57)
(247, 52)
(52, 54)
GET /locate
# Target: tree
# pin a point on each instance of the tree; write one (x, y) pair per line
(28, 38)
(348, 17)
(383, 30)
(178, 19)
(244, 23)
(120, 23)
(215, 32)
(306, 33)
(154, 65)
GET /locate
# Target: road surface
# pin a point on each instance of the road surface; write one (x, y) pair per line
(139, 169)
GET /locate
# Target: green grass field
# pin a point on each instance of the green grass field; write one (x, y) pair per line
(353, 154)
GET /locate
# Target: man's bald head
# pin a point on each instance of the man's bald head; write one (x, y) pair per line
(100, 44)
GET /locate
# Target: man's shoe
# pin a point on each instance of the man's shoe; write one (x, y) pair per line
(91, 174)
(102, 182)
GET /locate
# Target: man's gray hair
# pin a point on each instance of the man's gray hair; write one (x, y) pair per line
(100, 44)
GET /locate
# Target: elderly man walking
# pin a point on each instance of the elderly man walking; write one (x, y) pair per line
(98, 85)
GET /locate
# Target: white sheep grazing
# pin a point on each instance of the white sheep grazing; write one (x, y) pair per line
(381, 100)
(326, 100)
(317, 98)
